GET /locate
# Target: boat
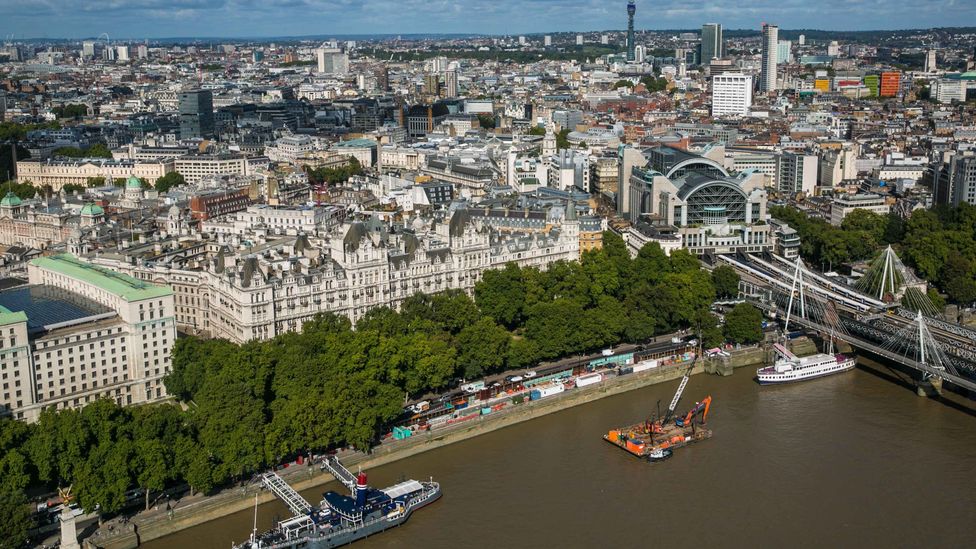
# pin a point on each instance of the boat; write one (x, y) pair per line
(659, 454)
(789, 368)
(341, 519)
(656, 439)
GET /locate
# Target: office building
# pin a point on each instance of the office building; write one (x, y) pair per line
(770, 44)
(522, 41)
(843, 204)
(731, 94)
(122, 53)
(712, 44)
(631, 10)
(196, 114)
(142, 51)
(332, 61)
(945, 90)
(451, 84)
(579, 39)
(954, 181)
(784, 52)
(797, 173)
(930, 64)
(88, 49)
(639, 53)
(78, 333)
(547, 41)
(890, 84)
(802, 40)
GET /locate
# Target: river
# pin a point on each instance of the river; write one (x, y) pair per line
(851, 460)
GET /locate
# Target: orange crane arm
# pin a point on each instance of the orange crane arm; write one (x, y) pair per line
(708, 404)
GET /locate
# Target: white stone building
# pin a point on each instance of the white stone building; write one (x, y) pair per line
(80, 332)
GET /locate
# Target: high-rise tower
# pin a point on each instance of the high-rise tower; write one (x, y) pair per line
(712, 45)
(770, 45)
(631, 10)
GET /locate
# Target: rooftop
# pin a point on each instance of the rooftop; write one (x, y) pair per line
(124, 286)
(47, 307)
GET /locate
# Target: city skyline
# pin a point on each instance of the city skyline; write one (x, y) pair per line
(137, 19)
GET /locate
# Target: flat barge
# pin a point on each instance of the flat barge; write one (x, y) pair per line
(655, 439)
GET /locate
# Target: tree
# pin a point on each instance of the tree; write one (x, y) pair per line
(482, 348)
(726, 281)
(501, 294)
(958, 278)
(15, 518)
(536, 130)
(99, 150)
(487, 121)
(743, 324)
(562, 138)
(168, 181)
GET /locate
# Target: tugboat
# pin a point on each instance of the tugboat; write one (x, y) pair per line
(659, 454)
(340, 519)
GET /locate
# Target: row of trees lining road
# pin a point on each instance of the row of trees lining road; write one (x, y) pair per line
(940, 244)
(98, 150)
(251, 406)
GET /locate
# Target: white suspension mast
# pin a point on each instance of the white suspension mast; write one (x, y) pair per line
(796, 287)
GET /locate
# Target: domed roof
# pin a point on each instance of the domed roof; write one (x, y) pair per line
(11, 200)
(92, 209)
(133, 183)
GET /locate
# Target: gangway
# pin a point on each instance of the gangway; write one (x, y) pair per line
(339, 471)
(286, 493)
(783, 351)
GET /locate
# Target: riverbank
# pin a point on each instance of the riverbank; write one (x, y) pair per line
(197, 510)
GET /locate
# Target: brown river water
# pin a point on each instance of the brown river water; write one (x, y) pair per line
(852, 460)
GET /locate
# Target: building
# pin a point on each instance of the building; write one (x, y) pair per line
(88, 49)
(194, 167)
(837, 166)
(332, 61)
(579, 39)
(80, 332)
(954, 181)
(890, 84)
(421, 119)
(844, 204)
(930, 63)
(784, 52)
(279, 284)
(945, 90)
(712, 44)
(219, 202)
(122, 53)
(631, 10)
(547, 40)
(196, 114)
(59, 172)
(770, 45)
(451, 84)
(797, 173)
(731, 94)
(710, 214)
(567, 119)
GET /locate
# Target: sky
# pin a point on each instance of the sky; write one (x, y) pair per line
(137, 19)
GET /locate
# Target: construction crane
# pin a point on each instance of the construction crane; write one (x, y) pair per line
(677, 394)
(700, 407)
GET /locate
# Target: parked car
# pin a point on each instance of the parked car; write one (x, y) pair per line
(514, 379)
(607, 352)
(530, 374)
